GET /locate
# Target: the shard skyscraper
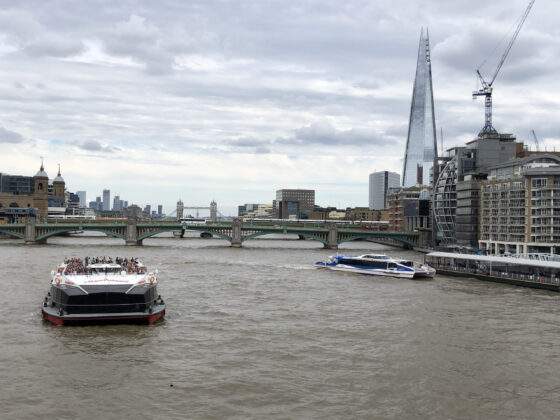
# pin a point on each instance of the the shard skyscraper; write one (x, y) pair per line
(421, 148)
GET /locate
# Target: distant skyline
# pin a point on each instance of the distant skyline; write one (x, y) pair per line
(231, 100)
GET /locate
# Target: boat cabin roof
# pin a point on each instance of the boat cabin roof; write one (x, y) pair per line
(375, 256)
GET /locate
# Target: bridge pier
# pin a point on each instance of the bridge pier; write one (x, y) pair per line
(332, 238)
(30, 232)
(236, 233)
(131, 237)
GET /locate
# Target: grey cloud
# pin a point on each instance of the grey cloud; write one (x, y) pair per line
(319, 133)
(323, 133)
(8, 136)
(54, 46)
(23, 31)
(141, 40)
(95, 146)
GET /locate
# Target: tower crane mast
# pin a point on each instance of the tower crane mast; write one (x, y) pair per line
(486, 86)
(536, 140)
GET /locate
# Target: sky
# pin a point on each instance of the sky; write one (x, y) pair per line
(231, 100)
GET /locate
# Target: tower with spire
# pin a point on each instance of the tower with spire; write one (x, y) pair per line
(41, 192)
(59, 185)
(421, 149)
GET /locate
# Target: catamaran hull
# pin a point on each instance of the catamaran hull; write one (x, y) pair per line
(371, 272)
(53, 316)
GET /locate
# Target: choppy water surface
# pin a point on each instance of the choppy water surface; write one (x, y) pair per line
(258, 333)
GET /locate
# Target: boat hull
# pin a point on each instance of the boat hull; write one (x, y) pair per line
(52, 315)
(371, 272)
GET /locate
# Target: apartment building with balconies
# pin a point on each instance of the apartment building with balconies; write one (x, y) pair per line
(520, 207)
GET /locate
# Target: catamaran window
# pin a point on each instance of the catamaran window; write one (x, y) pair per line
(365, 264)
(106, 270)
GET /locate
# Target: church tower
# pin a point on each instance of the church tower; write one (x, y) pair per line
(41, 193)
(59, 186)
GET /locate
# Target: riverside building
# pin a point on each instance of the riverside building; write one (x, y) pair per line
(408, 209)
(520, 207)
(294, 203)
(25, 196)
(379, 185)
(456, 193)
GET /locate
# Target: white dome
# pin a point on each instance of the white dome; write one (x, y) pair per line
(58, 176)
(41, 173)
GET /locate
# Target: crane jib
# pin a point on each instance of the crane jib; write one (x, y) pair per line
(486, 89)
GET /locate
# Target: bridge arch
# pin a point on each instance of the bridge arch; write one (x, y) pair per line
(13, 233)
(155, 232)
(310, 236)
(405, 243)
(58, 232)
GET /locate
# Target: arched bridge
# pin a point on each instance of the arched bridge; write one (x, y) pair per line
(236, 232)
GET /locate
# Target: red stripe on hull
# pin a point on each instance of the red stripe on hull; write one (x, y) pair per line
(153, 318)
(150, 319)
(55, 320)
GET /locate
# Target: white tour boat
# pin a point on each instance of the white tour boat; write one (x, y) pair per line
(94, 290)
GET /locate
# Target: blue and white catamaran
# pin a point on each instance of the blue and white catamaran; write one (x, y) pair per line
(377, 265)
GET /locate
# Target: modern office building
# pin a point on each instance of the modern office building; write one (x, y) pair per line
(246, 208)
(118, 204)
(255, 211)
(160, 210)
(520, 207)
(456, 195)
(421, 149)
(72, 201)
(294, 203)
(16, 184)
(106, 200)
(82, 196)
(379, 185)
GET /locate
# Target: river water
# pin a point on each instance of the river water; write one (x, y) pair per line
(258, 333)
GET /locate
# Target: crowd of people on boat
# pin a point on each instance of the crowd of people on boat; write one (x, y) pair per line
(77, 265)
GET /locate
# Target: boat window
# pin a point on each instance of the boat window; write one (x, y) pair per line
(361, 263)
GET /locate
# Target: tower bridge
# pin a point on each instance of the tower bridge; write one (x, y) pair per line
(236, 232)
(212, 209)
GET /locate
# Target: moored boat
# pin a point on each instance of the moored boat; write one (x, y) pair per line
(100, 290)
(530, 270)
(378, 265)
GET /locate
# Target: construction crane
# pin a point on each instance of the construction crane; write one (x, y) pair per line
(486, 88)
(536, 140)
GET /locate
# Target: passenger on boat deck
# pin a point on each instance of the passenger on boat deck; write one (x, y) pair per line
(76, 265)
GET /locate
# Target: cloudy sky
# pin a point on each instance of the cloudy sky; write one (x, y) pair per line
(230, 100)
